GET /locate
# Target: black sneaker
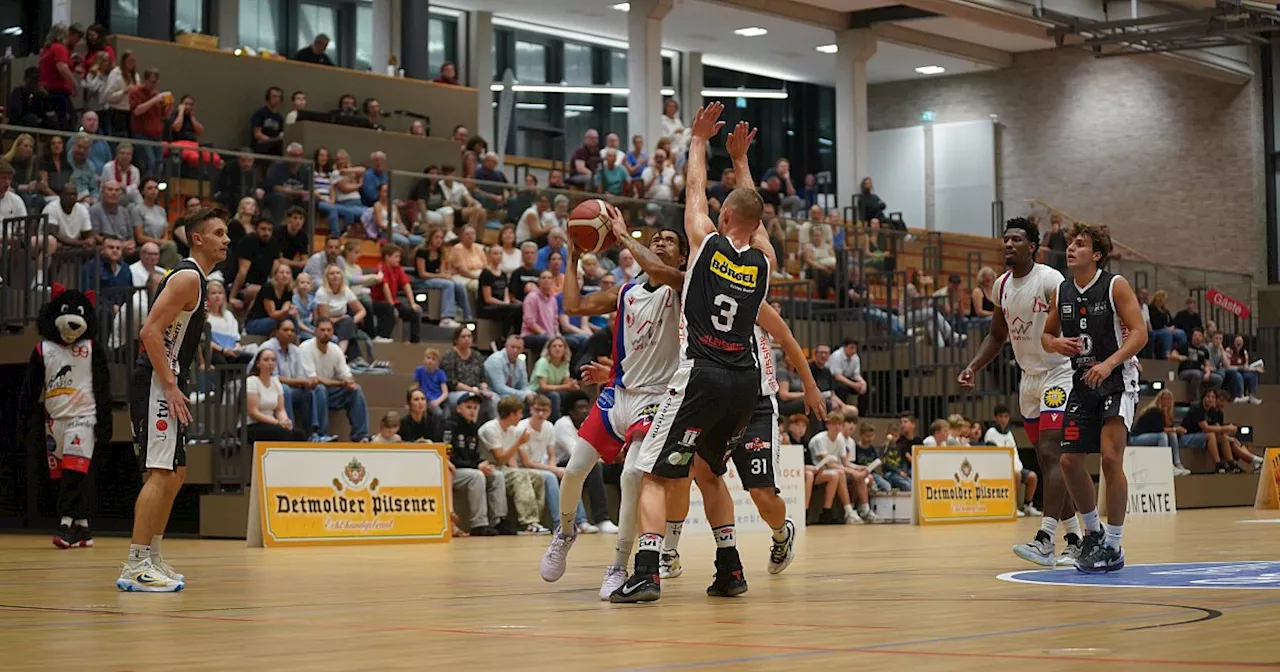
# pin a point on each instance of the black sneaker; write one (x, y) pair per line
(1221, 468)
(1087, 546)
(84, 538)
(65, 538)
(483, 531)
(639, 587)
(1234, 468)
(1097, 557)
(729, 581)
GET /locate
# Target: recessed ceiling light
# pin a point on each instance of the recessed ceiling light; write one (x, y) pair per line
(931, 70)
(753, 31)
(623, 6)
(828, 48)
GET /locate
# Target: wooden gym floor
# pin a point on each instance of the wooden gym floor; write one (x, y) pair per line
(885, 596)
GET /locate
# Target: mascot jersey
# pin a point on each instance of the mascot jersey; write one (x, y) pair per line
(68, 379)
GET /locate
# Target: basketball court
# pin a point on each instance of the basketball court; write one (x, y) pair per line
(888, 595)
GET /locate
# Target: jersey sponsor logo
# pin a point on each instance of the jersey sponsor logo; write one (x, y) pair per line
(1071, 432)
(1018, 328)
(757, 444)
(1055, 397)
(680, 458)
(606, 399)
(721, 344)
(161, 425)
(746, 276)
(1040, 305)
(81, 350)
(690, 438)
(1100, 308)
(1066, 308)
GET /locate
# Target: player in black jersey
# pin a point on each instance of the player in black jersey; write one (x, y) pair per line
(713, 393)
(1097, 322)
(158, 398)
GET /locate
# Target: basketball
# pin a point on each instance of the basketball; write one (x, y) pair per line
(589, 226)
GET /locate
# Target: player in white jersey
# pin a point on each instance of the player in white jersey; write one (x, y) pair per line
(1024, 298)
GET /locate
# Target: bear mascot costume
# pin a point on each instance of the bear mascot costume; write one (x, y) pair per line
(65, 404)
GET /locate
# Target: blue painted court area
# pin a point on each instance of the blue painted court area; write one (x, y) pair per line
(1244, 575)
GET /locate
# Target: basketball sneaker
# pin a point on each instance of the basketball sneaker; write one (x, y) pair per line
(1097, 557)
(669, 565)
(84, 538)
(142, 576)
(782, 553)
(638, 588)
(533, 528)
(614, 577)
(1071, 554)
(1040, 550)
(65, 538)
(729, 581)
(556, 559)
(159, 563)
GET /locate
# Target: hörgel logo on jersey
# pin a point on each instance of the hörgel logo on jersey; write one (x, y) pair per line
(745, 276)
(317, 494)
(964, 484)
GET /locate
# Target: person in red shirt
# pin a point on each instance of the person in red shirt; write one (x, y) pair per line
(386, 302)
(149, 108)
(57, 73)
(95, 41)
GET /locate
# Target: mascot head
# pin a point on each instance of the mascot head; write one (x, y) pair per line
(68, 317)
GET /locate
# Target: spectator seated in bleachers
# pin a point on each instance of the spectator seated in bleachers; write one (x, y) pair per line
(896, 460)
(858, 476)
(491, 196)
(463, 366)
(1233, 450)
(110, 217)
(556, 244)
(1194, 365)
(585, 160)
(273, 304)
(1165, 336)
(434, 384)
(537, 221)
(336, 302)
(460, 207)
(315, 52)
(255, 257)
(345, 182)
(151, 224)
(266, 126)
(288, 183)
(865, 454)
(224, 330)
(981, 307)
(147, 263)
(494, 302)
(501, 440)
(846, 371)
(383, 222)
(940, 432)
(1154, 426)
(1238, 361)
(302, 401)
(474, 477)
(418, 424)
(566, 436)
(84, 173)
(388, 429)
(185, 131)
(53, 171)
(235, 182)
(1001, 434)
(336, 389)
(507, 245)
(613, 177)
(69, 221)
(331, 255)
(298, 103)
(917, 310)
(820, 261)
(304, 299)
(825, 449)
(29, 102)
(551, 374)
(823, 376)
(539, 455)
(870, 206)
(392, 296)
(467, 260)
(660, 180)
(266, 405)
(1188, 319)
(106, 270)
(791, 203)
(432, 271)
(507, 373)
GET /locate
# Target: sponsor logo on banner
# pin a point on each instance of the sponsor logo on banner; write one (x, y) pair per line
(960, 484)
(311, 494)
(789, 480)
(1227, 303)
(1249, 575)
(1150, 474)
(1269, 484)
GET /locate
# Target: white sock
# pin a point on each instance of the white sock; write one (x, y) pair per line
(726, 536)
(864, 509)
(1049, 525)
(139, 552)
(1091, 521)
(1257, 462)
(1071, 526)
(155, 544)
(848, 510)
(66, 521)
(671, 540)
(780, 535)
(1112, 537)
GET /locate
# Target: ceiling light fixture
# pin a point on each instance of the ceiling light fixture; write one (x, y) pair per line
(564, 88)
(623, 6)
(768, 94)
(931, 70)
(753, 31)
(828, 48)
(14, 31)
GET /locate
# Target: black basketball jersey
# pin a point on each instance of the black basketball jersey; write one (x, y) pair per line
(1090, 314)
(723, 290)
(182, 336)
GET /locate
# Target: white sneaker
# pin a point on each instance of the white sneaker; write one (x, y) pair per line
(534, 528)
(607, 527)
(1040, 550)
(669, 565)
(1181, 471)
(143, 577)
(556, 559)
(872, 517)
(1254, 400)
(852, 518)
(1021, 513)
(450, 323)
(1242, 400)
(1031, 510)
(159, 563)
(382, 339)
(587, 528)
(614, 577)
(782, 553)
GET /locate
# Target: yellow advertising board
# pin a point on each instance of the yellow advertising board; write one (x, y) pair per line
(963, 484)
(1269, 484)
(314, 494)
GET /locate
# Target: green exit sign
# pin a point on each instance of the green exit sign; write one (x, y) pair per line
(927, 116)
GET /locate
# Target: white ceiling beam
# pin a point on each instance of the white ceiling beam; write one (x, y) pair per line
(938, 44)
(794, 11)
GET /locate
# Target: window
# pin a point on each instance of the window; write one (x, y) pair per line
(531, 62)
(618, 68)
(364, 37)
(259, 24)
(577, 64)
(314, 19)
(124, 17)
(436, 53)
(188, 16)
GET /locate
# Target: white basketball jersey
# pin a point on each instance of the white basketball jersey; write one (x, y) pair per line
(68, 379)
(646, 339)
(1026, 303)
(764, 353)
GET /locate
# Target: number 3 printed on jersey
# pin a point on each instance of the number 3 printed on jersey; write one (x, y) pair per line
(728, 310)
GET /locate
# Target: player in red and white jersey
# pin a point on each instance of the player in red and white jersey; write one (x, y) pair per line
(1024, 298)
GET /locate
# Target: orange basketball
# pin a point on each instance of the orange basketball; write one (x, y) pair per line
(589, 228)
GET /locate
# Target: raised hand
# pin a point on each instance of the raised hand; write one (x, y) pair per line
(739, 140)
(706, 123)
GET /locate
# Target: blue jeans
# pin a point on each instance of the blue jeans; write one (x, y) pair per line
(551, 485)
(880, 482)
(341, 215)
(452, 295)
(263, 326)
(341, 398)
(402, 239)
(1165, 340)
(1196, 441)
(1162, 439)
(304, 404)
(881, 317)
(898, 481)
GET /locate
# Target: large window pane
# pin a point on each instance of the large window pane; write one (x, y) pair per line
(188, 16)
(618, 68)
(577, 64)
(618, 120)
(531, 62)
(124, 17)
(364, 37)
(435, 44)
(579, 113)
(315, 19)
(259, 21)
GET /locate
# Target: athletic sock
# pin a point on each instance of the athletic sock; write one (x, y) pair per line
(780, 534)
(155, 544)
(82, 522)
(864, 510)
(1091, 521)
(647, 555)
(1049, 525)
(139, 552)
(1112, 537)
(66, 521)
(1257, 463)
(726, 536)
(848, 511)
(1071, 526)
(671, 539)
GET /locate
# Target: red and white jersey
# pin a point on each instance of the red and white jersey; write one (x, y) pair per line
(68, 379)
(646, 339)
(764, 353)
(1025, 303)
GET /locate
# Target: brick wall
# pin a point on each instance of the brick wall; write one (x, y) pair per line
(1171, 161)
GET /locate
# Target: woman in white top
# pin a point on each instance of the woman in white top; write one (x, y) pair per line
(268, 420)
(336, 301)
(510, 252)
(537, 221)
(382, 220)
(820, 260)
(673, 128)
(224, 330)
(116, 93)
(344, 185)
(95, 83)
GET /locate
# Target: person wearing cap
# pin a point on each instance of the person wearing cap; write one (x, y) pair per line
(474, 478)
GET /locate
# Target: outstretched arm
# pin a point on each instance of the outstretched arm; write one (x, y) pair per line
(738, 142)
(697, 225)
(772, 322)
(657, 270)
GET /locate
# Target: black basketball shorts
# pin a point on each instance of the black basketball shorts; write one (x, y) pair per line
(1088, 409)
(705, 410)
(159, 442)
(756, 454)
